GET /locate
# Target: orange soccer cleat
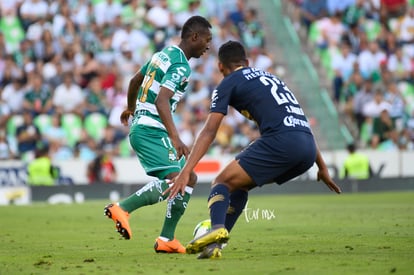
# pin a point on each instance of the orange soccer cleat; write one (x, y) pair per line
(120, 217)
(173, 246)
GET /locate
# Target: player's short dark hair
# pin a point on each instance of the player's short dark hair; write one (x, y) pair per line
(231, 52)
(195, 23)
(351, 147)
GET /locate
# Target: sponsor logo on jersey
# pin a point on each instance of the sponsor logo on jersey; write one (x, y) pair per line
(291, 121)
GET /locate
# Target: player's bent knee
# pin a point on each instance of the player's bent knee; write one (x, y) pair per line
(230, 187)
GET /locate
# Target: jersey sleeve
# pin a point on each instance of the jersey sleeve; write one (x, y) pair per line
(176, 77)
(220, 98)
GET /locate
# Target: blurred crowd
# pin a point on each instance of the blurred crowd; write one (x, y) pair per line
(65, 66)
(367, 49)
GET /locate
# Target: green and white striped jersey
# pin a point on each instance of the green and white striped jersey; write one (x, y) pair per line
(168, 68)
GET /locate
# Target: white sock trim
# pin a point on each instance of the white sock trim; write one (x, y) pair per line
(189, 190)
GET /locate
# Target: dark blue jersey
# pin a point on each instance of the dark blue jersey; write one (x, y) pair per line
(261, 97)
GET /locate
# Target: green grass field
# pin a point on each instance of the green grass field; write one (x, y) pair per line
(370, 233)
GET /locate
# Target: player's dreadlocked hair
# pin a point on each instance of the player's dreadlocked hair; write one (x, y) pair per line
(194, 24)
(232, 53)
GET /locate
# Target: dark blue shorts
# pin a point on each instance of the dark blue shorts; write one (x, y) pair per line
(278, 158)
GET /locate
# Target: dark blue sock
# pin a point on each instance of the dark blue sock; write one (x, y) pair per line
(218, 202)
(238, 200)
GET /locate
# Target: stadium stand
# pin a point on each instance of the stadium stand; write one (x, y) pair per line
(301, 74)
(106, 41)
(49, 49)
(43, 121)
(73, 125)
(358, 42)
(95, 124)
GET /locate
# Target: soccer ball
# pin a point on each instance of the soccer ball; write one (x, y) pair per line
(202, 228)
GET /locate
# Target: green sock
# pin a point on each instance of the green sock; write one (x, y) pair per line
(149, 194)
(175, 209)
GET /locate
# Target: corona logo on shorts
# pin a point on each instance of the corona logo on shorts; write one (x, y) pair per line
(171, 156)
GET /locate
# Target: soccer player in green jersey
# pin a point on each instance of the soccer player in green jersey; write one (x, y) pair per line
(153, 94)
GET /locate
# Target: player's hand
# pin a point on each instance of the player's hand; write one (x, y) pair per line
(324, 176)
(181, 148)
(177, 185)
(125, 116)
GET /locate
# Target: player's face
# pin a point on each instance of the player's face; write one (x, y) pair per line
(201, 43)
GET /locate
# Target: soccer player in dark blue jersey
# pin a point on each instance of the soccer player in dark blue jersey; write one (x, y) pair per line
(285, 149)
